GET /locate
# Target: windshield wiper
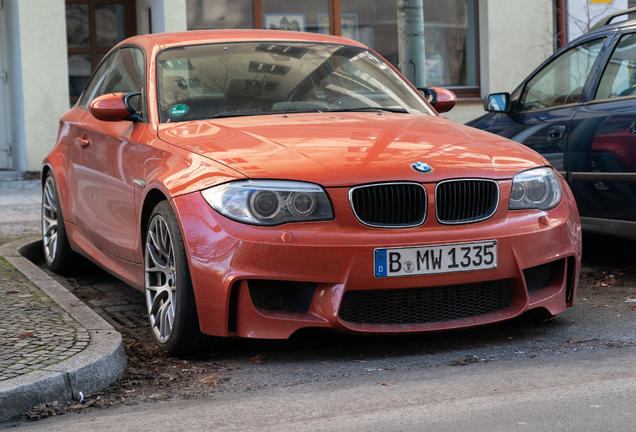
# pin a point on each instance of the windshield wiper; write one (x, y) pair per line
(393, 110)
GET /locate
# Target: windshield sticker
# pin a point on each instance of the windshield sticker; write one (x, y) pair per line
(178, 110)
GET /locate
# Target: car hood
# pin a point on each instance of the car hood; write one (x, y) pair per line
(344, 149)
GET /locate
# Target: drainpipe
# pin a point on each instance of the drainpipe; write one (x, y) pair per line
(411, 60)
(561, 23)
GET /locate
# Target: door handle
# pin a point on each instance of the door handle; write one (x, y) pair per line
(632, 129)
(556, 133)
(82, 142)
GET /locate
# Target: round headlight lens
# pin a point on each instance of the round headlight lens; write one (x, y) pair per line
(301, 203)
(265, 204)
(518, 193)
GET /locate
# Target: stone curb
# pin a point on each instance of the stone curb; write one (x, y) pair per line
(101, 363)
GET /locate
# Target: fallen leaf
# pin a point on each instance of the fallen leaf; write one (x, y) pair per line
(21, 335)
(258, 358)
(632, 308)
(12, 292)
(76, 406)
(384, 384)
(210, 380)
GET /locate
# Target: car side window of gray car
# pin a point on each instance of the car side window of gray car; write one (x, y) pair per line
(561, 81)
(619, 76)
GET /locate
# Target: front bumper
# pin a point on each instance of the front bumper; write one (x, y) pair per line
(228, 259)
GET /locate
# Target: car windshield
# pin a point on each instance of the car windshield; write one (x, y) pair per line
(238, 79)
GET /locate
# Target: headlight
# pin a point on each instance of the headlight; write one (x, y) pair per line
(537, 188)
(270, 202)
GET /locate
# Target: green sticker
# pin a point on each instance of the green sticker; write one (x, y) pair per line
(178, 110)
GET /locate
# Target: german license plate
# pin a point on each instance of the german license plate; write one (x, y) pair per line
(434, 259)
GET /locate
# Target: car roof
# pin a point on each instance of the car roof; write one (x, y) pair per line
(198, 37)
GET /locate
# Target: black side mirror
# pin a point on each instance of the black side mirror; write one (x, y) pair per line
(131, 101)
(429, 94)
(497, 102)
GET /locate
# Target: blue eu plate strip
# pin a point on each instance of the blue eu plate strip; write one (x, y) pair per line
(380, 262)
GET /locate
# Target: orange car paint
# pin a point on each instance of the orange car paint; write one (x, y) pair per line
(104, 208)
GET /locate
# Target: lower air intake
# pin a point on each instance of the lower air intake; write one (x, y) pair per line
(425, 305)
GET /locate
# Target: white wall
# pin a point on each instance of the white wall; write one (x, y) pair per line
(515, 36)
(44, 74)
(167, 16)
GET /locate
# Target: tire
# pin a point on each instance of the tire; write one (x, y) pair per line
(170, 302)
(57, 251)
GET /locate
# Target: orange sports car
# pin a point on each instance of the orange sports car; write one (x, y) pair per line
(253, 183)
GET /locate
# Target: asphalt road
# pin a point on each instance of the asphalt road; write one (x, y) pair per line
(584, 392)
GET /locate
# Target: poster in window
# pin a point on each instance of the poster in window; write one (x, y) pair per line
(348, 25)
(292, 22)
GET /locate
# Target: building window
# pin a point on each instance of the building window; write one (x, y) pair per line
(221, 14)
(93, 27)
(450, 29)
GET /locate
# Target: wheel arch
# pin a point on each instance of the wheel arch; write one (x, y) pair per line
(152, 198)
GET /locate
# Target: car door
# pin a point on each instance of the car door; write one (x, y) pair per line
(109, 163)
(547, 102)
(602, 144)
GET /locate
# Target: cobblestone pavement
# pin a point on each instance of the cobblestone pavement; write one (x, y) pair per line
(34, 331)
(20, 203)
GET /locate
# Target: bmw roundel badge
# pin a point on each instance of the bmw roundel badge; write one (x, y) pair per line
(422, 167)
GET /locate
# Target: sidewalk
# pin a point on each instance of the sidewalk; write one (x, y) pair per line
(52, 346)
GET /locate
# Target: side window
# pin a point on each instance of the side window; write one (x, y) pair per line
(127, 73)
(96, 83)
(619, 77)
(561, 81)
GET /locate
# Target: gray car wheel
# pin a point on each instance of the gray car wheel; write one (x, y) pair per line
(57, 251)
(168, 288)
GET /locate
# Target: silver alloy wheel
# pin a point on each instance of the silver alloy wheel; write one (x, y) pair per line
(161, 278)
(49, 220)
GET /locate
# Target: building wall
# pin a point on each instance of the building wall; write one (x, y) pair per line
(37, 78)
(166, 15)
(515, 36)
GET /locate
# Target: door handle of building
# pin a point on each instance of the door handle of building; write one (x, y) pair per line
(82, 142)
(556, 133)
